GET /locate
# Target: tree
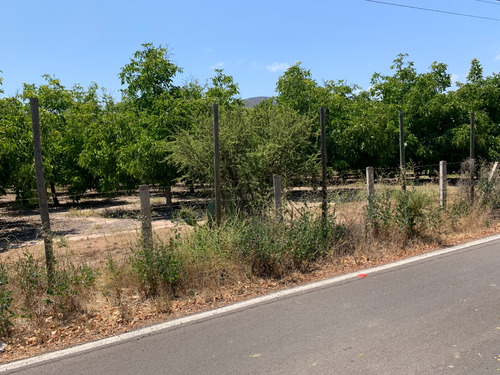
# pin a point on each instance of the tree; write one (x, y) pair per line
(16, 149)
(394, 89)
(254, 145)
(104, 152)
(223, 90)
(151, 94)
(65, 116)
(480, 95)
(297, 90)
(476, 72)
(148, 76)
(429, 115)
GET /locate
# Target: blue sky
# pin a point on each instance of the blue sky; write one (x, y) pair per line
(80, 41)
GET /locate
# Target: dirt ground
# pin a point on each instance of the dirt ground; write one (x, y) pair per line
(98, 228)
(96, 221)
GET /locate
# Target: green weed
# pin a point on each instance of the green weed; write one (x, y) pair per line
(159, 268)
(6, 298)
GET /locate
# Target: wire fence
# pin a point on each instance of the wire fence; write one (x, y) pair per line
(19, 219)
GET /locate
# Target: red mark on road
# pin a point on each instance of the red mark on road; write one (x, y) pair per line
(362, 275)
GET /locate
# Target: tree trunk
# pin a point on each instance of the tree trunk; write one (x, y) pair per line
(54, 196)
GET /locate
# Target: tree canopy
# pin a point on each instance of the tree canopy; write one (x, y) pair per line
(159, 132)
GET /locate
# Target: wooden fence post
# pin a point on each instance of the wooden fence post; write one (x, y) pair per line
(217, 182)
(147, 228)
(443, 183)
(402, 160)
(278, 202)
(42, 192)
(370, 182)
(324, 195)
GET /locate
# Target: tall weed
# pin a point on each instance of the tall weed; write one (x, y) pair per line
(69, 281)
(6, 298)
(408, 213)
(274, 248)
(488, 186)
(159, 268)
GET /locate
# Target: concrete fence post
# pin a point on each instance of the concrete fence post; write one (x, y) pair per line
(278, 201)
(493, 172)
(443, 183)
(147, 228)
(370, 181)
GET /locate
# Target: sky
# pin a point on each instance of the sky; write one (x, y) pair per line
(84, 41)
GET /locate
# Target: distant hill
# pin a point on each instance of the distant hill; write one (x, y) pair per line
(252, 102)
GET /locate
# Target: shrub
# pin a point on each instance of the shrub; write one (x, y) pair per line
(67, 285)
(379, 217)
(311, 237)
(159, 268)
(262, 244)
(32, 278)
(5, 301)
(488, 189)
(274, 248)
(411, 213)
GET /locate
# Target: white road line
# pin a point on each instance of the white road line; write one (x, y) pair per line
(239, 305)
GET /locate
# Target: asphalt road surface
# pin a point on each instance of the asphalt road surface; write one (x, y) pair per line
(439, 315)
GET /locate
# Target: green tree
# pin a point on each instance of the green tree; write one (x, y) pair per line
(65, 116)
(297, 90)
(254, 145)
(476, 72)
(480, 95)
(16, 148)
(223, 90)
(429, 115)
(148, 76)
(106, 141)
(159, 110)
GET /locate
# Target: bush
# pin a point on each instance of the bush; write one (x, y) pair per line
(254, 145)
(379, 215)
(488, 190)
(411, 213)
(262, 244)
(68, 283)
(274, 248)
(65, 292)
(5, 301)
(159, 268)
(32, 278)
(310, 237)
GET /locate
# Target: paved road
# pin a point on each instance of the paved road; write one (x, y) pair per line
(440, 315)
